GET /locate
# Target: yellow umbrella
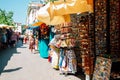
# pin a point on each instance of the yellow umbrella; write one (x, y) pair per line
(44, 17)
(62, 7)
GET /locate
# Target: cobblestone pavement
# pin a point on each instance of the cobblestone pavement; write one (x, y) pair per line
(19, 64)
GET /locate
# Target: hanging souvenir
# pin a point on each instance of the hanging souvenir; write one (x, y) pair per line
(44, 29)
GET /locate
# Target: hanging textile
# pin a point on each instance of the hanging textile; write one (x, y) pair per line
(67, 61)
(54, 53)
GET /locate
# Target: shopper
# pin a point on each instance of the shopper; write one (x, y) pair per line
(14, 39)
(36, 43)
(32, 44)
(21, 37)
(25, 39)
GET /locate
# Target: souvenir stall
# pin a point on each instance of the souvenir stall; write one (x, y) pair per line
(62, 49)
(107, 40)
(71, 48)
(76, 44)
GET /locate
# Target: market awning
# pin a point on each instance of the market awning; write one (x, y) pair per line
(43, 16)
(63, 7)
(33, 27)
(3, 25)
(6, 26)
(37, 23)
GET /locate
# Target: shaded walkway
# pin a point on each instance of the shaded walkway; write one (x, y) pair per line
(19, 64)
(6, 54)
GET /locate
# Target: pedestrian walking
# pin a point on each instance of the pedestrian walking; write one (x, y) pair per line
(21, 37)
(25, 39)
(14, 39)
(32, 44)
(36, 43)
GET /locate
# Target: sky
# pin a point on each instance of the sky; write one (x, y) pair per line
(18, 7)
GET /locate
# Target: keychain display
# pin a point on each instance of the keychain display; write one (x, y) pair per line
(83, 26)
(115, 28)
(100, 27)
(115, 38)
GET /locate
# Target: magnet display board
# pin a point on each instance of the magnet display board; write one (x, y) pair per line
(102, 69)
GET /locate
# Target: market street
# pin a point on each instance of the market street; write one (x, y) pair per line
(19, 64)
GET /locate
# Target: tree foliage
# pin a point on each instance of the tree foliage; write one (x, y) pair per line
(6, 17)
(50, 1)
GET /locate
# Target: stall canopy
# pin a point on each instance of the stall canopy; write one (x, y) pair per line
(43, 16)
(6, 26)
(37, 24)
(58, 12)
(33, 27)
(63, 7)
(3, 25)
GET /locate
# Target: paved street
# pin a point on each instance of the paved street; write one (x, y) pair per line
(19, 64)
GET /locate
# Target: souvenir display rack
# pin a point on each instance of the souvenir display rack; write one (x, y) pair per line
(107, 29)
(66, 44)
(115, 28)
(100, 27)
(115, 38)
(96, 34)
(84, 23)
(102, 69)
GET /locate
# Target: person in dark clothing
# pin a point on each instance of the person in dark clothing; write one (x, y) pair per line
(9, 34)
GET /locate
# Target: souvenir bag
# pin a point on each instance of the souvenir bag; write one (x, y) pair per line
(72, 63)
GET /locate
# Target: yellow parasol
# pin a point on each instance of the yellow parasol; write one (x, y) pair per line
(64, 7)
(44, 17)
